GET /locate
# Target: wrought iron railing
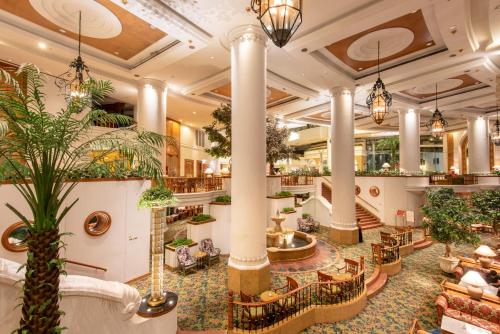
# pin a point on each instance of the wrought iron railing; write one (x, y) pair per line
(447, 179)
(296, 180)
(193, 184)
(385, 254)
(258, 316)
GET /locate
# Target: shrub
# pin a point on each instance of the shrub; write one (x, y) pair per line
(156, 197)
(201, 217)
(284, 194)
(288, 210)
(223, 199)
(181, 242)
(487, 205)
(306, 215)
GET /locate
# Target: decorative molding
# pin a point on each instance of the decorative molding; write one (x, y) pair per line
(248, 263)
(248, 33)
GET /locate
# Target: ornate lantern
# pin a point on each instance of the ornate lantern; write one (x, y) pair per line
(495, 135)
(379, 100)
(74, 78)
(280, 19)
(437, 123)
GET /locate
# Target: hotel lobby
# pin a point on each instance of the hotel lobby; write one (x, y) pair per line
(250, 166)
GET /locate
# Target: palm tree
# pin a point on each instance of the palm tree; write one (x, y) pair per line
(391, 144)
(44, 150)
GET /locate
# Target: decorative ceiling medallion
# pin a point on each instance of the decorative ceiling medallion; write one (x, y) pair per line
(99, 22)
(399, 37)
(395, 40)
(135, 34)
(445, 86)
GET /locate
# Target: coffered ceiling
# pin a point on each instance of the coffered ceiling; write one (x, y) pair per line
(184, 43)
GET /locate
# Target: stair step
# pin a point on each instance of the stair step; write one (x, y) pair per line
(422, 245)
(377, 285)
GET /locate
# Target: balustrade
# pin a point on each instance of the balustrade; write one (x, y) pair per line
(193, 184)
(297, 180)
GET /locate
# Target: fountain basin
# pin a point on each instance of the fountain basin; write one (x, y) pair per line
(301, 246)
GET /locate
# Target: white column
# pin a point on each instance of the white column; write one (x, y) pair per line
(329, 149)
(479, 145)
(344, 228)
(248, 261)
(409, 140)
(151, 114)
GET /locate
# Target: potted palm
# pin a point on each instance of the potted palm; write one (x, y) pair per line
(157, 199)
(53, 147)
(449, 220)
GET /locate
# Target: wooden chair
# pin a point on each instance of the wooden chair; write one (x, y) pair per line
(328, 290)
(251, 316)
(377, 253)
(387, 239)
(289, 304)
(351, 267)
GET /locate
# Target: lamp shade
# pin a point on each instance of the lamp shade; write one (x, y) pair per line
(485, 251)
(474, 278)
(386, 165)
(209, 171)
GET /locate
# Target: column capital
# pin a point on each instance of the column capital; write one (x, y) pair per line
(158, 84)
(408, 110)
(341, 90)
(248, 32)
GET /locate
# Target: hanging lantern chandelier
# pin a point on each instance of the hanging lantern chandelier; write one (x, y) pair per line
(72, 81)
(495, 135)
(280, 19)
(437, 123)
(379, 100)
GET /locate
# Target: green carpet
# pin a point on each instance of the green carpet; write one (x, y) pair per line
(406, 296)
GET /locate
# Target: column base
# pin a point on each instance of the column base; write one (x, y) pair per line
(344, 237)
(251, 282)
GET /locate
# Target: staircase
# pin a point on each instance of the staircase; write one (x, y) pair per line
(421, 244)
(367, 219)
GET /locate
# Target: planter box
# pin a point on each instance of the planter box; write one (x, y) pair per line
(222, 226)
(277, 204)
(171, 258)
(198, 231)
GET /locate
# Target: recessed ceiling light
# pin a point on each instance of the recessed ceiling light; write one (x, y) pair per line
(360, 68)
(212, 57)
(116, 53)
(180, 120)
(429, 43)
(42, 45)
(194, 112)
(62, 30)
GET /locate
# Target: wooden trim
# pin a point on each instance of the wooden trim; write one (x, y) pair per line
(5, 239)
(290, 212)
(85, 265)
(280, 197)
(219, 203)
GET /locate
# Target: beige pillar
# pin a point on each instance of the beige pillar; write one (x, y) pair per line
(151, 112)
(409, 141)
(344, 229)
(479, 145)
(248, 263)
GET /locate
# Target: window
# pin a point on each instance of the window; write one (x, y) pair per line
(200, 138)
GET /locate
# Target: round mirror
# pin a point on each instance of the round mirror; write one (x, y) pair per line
(97, 223)
(14, 237)
(357, 190)
(374, 191)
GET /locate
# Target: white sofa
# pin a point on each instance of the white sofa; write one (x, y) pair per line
(91, 305)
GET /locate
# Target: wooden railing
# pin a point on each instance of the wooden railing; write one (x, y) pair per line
(193, 184)
(85, 265)
(296, 180)
(259, 316)
(447, 179)
(385, 254)
(326, 192)
(404, 238)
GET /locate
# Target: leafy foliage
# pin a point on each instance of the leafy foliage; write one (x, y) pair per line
(201, 217)
(223, 199)
(219, 134)
(40, 151)
(391, 144)
(449, 218)
(288, 210)
(283, 194)
(487, 205)
(156, 197)
(306, 215)
(306, 171)
(181, 242)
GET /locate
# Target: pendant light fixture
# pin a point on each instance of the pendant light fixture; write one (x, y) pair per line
(78, 73)
(280, 19)
(437, 123)
(495, 135)
(379, 100)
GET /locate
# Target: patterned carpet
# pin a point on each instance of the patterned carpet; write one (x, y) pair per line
(408, 295)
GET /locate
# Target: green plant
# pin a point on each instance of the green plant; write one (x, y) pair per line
(223, 199)
(487, 205)
(51, 146)
(306, 215)
(283, 194)
(448, 219)
(157, 197)
(201, 217)
(391, 144)
(305, 171)
(181, 242)
(288, 210)
(326, 171)
(276, 143)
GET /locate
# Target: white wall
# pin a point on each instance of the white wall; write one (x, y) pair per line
(54, 100)
(189, 150)
(123, 250)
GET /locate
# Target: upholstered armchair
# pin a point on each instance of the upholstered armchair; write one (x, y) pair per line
(186, 260)
(307, 225)
(207, 246)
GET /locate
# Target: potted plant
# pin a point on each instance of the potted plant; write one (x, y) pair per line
(201, 218)
(449, 220)
(157, 198)
(180, 242)
(51, 146)
(225, 199)
(486, 204)
(283, 194)
(288, 210)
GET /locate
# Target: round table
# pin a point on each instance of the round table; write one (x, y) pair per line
(200, 259)
(268, 295)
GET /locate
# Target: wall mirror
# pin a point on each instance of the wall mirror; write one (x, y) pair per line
(374, 191)
(97, 223)
(14, 237)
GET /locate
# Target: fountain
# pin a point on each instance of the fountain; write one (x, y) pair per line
(285, 244)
